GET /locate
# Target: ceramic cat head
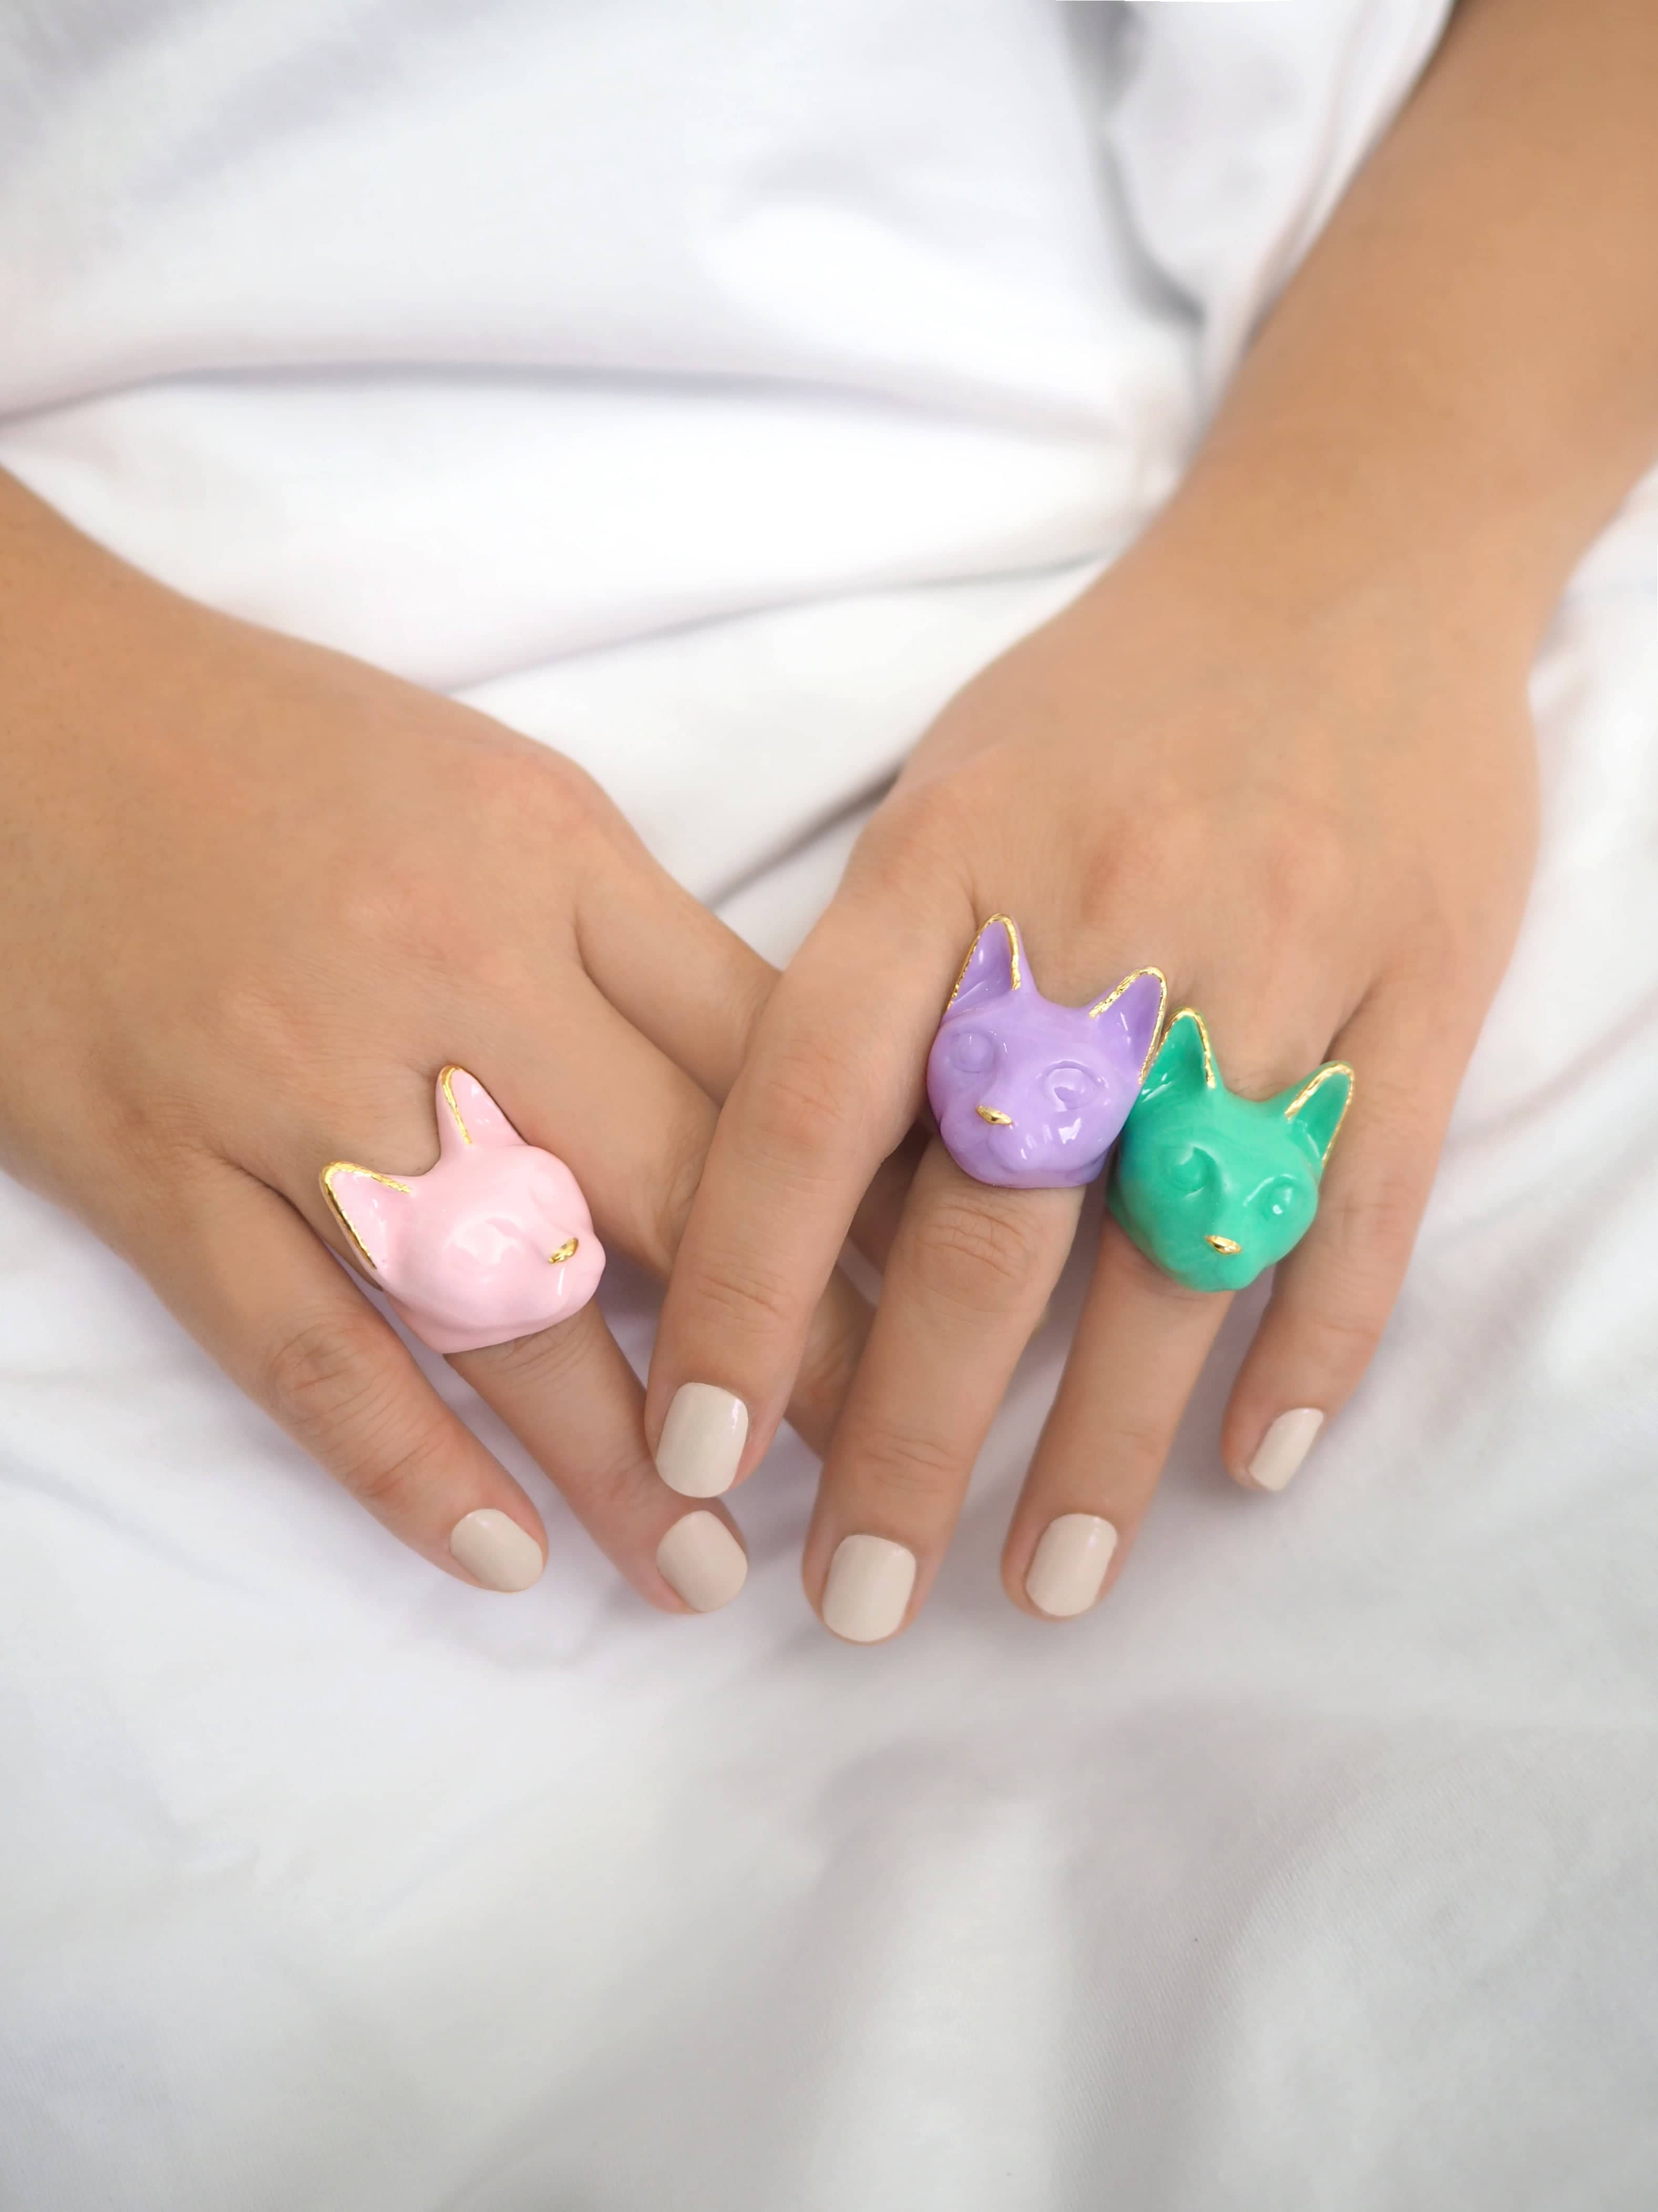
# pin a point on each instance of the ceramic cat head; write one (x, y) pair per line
(493, 1243)
(1215, 1187)
(1027, 1093)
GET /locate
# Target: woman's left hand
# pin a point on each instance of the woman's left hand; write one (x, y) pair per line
(1313, 808)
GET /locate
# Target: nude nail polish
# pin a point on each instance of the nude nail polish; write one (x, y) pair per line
(1284, 1447)
(1068, 1568)
(703, 1561)
(495, 1550)
(702, 1440)
(870, 1580)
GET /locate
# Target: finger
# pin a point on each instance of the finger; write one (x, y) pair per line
(1141, 1345)
(699, 1004)
(571, 1397)
(968, 1276)
(249, 1280)
(636, 1131)
(830, 1087)
(1331, 1296)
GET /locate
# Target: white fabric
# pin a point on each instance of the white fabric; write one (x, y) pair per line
(1315, 1870)
(471, 335)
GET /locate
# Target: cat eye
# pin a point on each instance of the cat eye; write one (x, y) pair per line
(1192, 1170)
(1070, 1087)
(1280, 1198)
(972, 1051)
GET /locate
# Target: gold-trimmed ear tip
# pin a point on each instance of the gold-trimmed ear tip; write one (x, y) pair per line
(351, 1166)
(1011, 927)
(1191, 1014)
(1316, 1082)
(369, 1175)
(1104, 1006)
(989, 922)
(447, 1085)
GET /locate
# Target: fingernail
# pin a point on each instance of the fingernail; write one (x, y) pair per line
(702, 1440)
(1284, 1447)
(1070, 1563)
(493, 1547)
(703, 1561)
(869, 1584)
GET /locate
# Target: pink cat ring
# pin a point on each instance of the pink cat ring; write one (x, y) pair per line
(495, 1242)
(1028, 1094)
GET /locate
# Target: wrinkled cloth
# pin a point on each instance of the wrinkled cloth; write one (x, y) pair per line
(1315, 1870)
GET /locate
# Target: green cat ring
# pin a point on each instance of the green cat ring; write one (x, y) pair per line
(1212, 1186)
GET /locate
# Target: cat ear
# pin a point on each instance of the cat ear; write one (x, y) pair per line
(1185, 1061)
(366, 1207)
(993, 968)
(467, 1115)
(1135, 1009)
(1320, 1104)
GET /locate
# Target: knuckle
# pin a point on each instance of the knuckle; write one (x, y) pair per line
(907, 1466)
(167, 1137)
(1369, 1222)
(1338, 1340)
(748, 1299)
(327, 1386)
(1132, 1443)
(917, 836)
(321, 1370)
(800, 1102)
(1117, 879)
(1305, 871)
(975, 1254)
(258, 1024)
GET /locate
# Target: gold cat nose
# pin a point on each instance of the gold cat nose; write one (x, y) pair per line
(1222, 1245)
(989, 1114)
(566, 1250)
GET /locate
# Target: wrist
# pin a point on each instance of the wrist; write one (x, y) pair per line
(1299, 555)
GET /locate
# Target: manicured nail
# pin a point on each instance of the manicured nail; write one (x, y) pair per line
(492, 1546)
(703, 1561)
(1069, 1564)
(869, 1584)
(702, 1440)
(1284, 1447)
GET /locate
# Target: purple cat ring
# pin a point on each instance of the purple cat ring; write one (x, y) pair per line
(1030, 1094)
(494, 1243)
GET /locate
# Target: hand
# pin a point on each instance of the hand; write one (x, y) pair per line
(1314, 813)
(254, 896)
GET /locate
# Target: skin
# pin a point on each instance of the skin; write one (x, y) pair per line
(253, 895)
(1282, 751)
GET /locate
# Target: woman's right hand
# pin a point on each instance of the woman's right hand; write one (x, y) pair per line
(255, 895)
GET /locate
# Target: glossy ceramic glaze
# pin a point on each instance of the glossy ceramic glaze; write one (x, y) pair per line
(495, 1242)
(1028, 1094)
(1212, 1186)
